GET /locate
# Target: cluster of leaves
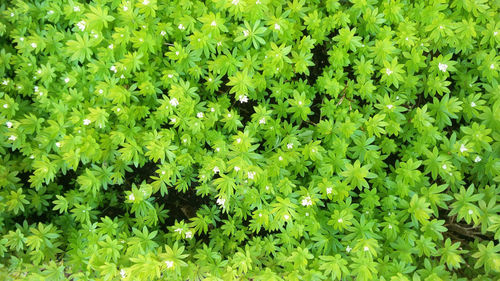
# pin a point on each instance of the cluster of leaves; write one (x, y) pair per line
(326, 140)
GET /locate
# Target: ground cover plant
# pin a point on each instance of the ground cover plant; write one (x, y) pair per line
(249, 140)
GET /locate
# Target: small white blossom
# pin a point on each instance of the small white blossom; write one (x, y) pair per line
(307, 214)
(199, 115)
(390, 226)
(243, 98)
(174, 102)
(495, 33)
(21, 39)
(229, 115)
(277, 26)
(177, 53)
(122, 76)
(58, 144)
(163, 33)
(348, 249)
(286, 217)
(444, 166)
(262, 120)
(471, 212)
(388, 71)
(81, 25)
(280, 158)
(111, 46)
(189, 234)
(118, 109)
(477, 159)
(407, 38)
(246, 32)
(289, 145)
(257, 2)
(169, 264)
(33, 45)
(251, 175)
(8, 124)
(473, 104)
(216, 170)
(306, 201)
(390, 106)
(217, 149)
(173, 120)
(101, 91)
(113, 68)
(442, 67)
(76, 9)
(86, 122)
(123, 273)
(12, 138)
(340, 220)
(238, 140)
(5, 105)
(267, 187)
(235, 2)
(212, 109)
(366, 249)
(237, 169)
(32, 157)
(219, 43)
(221, 201)
(328, 190)
(463, 148)
(178, 230)
(492, 66)
(181, 27)
(145, 2)
(131, 197)
(5, 82)
(213, 23)
(260, 215)
(441, 27)
(66, 80)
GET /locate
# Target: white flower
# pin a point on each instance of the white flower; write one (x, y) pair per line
(442, 67)
(388, 71)
(145, 2)
(280, 158)
(307, 214)
(217, 149)
(229, 115)
(213, 23)
(199, 115)
(390, 106)
(472, 104)
(100, 91)
(86, 122)
(5, 105)
(238, 140)
(328, 190)
(174, 102)
(471, 212)
(219, 43)
(407, 38)
(76, 9)
(236, 168)
(235, 2)
(251, 175)
(441, 27)
(58, 144)
(277, 26)
(444, 166)
(492, 66)
(306, 201)
(173, 120)
(348, 249)
(390, 226)
(286, 217)
(122, 273)
(181, 27)
(212, 109)
(246, 32)
(12, 138)
(189, 234)
(216, 170)
(495, 33)
(81, 25)
(176, 53)
(477, 159)
(178, 230)
(267, 187)
(118, 109)
(113, 68)
(131, 197)
(221, 201)
(66, 80)
(289, 146)
(21, 39)
(122, 76)
(169, 264)
(257, 2)
(463, 148)
(340, 220)
(366, 248)
(8, 124)
(33, 45)
(111, 46)
(243, 98)
(262, 120)
(5, 82)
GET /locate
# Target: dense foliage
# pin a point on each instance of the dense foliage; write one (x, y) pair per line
(249, 140)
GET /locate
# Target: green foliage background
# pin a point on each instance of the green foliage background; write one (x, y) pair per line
(249, 140)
